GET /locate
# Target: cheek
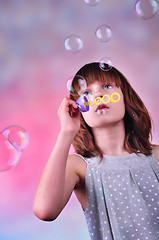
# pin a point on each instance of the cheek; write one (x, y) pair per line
(122, 112)
(121, 108)
(120, 105)
(87, 118)
(85, 115)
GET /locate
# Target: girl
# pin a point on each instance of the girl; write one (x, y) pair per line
(115, 170)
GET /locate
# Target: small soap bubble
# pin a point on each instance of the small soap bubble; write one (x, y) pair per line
(146, 9)
(17, 136)
(73, 43)
(103, 33)
(9, 155)
(92, 3)
(105, 64)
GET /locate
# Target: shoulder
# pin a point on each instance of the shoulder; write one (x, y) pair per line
(76, 161)
(156, 151)
(78, 165)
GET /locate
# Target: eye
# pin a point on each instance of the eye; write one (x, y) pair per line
(86, 93)
(107, 86)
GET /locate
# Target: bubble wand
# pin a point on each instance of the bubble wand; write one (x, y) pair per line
(83, 103)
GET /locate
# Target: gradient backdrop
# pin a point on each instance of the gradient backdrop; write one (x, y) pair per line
(34, 68)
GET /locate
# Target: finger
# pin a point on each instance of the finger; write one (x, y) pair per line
(67, 105)
(72, 109)
(70, 103)
(74, 112)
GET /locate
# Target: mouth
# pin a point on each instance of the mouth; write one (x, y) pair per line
(102, 106)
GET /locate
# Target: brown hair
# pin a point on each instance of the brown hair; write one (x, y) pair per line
(137, 120)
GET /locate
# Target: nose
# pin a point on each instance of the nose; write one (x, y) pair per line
(99, 92)
(98, 95)
(98, 98)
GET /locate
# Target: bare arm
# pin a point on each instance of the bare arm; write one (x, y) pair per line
(59, 177)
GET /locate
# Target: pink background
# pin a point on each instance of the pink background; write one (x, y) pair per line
(34, 68)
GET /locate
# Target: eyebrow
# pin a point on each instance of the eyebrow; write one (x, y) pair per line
(86, 90)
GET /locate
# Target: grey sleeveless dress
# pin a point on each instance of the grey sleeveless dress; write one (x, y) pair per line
(122, 197)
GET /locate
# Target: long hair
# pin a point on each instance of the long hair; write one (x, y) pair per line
(136, 120)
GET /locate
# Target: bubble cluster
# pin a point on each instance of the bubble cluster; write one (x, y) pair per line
(146, 9)
(73, 43)
(13, 140)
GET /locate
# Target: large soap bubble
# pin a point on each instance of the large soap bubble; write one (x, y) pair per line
(9, 155)
(73, 43)
(103, 33)
(13, 140)
(69, 85)
(81, 81)
(17, 136)
(146, 9)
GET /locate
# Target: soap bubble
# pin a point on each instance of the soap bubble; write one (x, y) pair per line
(103, 33)
(92, 3)
(81, 81)
(73, 43)
(146, 9)
(69, 84)
(9, 155)
(17, 136)
(105, 64)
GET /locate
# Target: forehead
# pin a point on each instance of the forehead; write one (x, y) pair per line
(94, 80)
(99, 78)
(94, 75)
(100, 84)
(91, 78)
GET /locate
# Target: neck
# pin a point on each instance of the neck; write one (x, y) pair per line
(110, 139)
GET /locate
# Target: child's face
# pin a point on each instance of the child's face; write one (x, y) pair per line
(104, 114)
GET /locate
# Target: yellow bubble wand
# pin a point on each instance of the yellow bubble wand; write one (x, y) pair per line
(101, 100)
(83, 103)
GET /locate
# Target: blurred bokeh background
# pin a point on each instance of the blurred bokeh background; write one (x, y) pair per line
(35, 65)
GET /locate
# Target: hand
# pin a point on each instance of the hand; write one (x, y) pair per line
(69, 116)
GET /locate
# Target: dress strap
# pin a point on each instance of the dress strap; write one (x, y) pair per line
(152, 153)
(84, 158)
(155, 165)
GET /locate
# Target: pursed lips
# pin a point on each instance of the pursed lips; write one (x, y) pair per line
(102, 106)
